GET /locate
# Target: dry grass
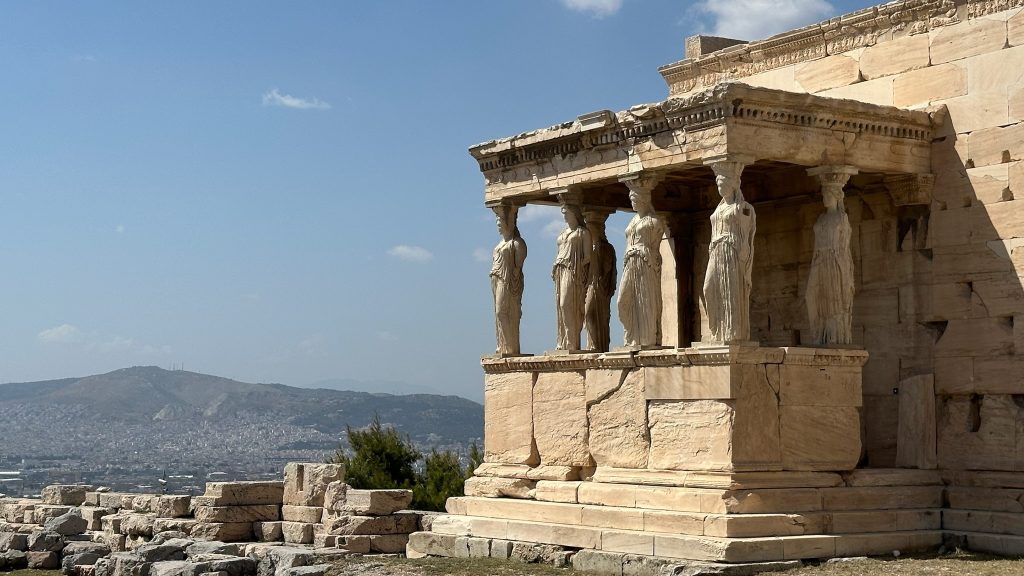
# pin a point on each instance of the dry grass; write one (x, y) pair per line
(961, 563)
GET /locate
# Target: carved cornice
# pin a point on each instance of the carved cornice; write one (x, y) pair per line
(701, 356)
(835, 36)
(729, 102)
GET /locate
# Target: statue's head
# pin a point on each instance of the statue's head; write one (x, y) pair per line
(506, 220)
(573, 215)
(727, 179)
(640, 202)
(833, 197)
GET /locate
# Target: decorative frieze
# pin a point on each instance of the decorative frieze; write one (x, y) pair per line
(842, 34)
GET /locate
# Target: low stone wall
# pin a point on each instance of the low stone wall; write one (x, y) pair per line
(276, 528)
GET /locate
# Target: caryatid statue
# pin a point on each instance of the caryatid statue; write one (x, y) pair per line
(507, 281)
(830, 286)
(640, 287)
(602, 282)
(571, 273)
(730, 257)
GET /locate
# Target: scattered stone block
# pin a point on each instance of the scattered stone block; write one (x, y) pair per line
(297, 532)
(172, 506)
(223, 531)
(268, 531)
(305, 484)
(71, 562)
(237, 514)
(93, 516)
(241, 493)
(44, 512)
(14, 559)
(212, 547)
(161, 525)
(354, 544)
(396, 543)
(374, 502)
(137, 524)
(423, 544)
(13, 541)
(44, 541)
(65, 494)
(307, 514)
(335, 494)
(171, 550)
(67, 524)
(371, 525)
(111, 500)
(43, 560)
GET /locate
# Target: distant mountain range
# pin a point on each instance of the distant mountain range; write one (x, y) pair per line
(148, 393)
(129, 427)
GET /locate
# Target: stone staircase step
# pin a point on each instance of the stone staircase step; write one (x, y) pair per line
(697, 523)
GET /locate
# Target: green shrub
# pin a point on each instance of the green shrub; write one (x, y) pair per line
(380, 457)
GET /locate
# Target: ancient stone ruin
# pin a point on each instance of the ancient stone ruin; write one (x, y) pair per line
(294, 528)
(820, 300)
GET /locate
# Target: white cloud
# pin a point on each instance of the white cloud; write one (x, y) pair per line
(119, 229)
(597, 8)
(95, 342)
(63, 334)
(385, 336)
(411, 253)
(275, 98)
(83, 58)
(482, 255)
(553, 228)
(548, 219)
(538, 212)
(758, 19)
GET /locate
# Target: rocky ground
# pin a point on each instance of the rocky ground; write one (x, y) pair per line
(955, 565)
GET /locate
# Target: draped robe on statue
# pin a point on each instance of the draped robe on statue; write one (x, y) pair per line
(570, 273)
(640, 289)
(507, 287)
(830, 286)
(727, 282)
(599, 295)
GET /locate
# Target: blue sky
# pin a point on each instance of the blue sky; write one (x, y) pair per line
(280, 192)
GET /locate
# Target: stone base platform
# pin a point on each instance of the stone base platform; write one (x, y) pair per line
(866, 512)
